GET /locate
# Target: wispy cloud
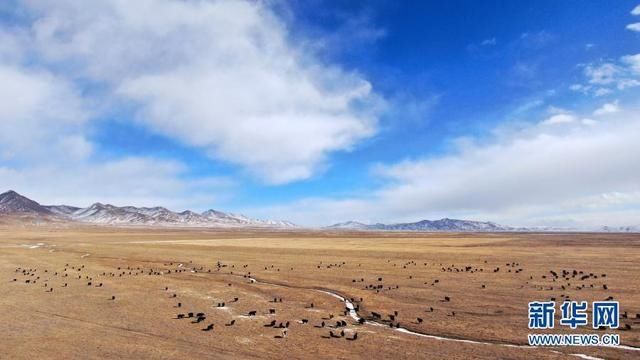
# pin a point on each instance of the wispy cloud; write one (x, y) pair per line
(559, 119)
(489, 42)
(604, 78)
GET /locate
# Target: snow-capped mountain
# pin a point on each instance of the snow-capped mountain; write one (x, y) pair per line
(351, 225)
(228, 218)
(12, 203)
(444, 225)
(449, 225)
(130, 215)
(15, 207)
(108, 214)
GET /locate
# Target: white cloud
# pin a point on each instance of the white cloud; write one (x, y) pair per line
(559, 119)
(532, 169)
(602, 92)
(42, 118)
(607, 108)
(603, 78)
(540, 175)
(599, 91)
(578, 87)
(221, 76)
(636, 10)
(634, 27)
(603, 74)
(633, 62)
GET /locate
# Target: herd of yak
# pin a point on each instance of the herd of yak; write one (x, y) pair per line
(32, 276)
(556, 280)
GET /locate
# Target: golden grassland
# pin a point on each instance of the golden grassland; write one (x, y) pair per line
(150, 271)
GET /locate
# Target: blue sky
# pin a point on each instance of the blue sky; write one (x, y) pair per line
(324, 111)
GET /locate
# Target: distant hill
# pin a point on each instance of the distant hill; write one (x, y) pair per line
(443, 225)
(456, 225)
(621, 229)
(16, 206)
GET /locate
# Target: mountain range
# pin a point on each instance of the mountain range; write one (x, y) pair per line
(15, 207)
(18, 207)
(457, 225)
(442, 225)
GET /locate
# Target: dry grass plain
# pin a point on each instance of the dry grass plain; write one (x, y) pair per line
(150, 271)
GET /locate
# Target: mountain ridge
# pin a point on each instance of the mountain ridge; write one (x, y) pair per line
(457, 225)
(441, 225)
(15, 205)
